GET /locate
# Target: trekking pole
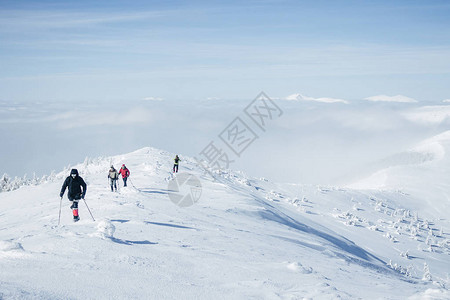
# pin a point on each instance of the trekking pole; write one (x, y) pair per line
(89, 210)
(59, 218)
(133, 184)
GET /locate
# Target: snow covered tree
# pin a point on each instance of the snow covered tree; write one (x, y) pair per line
(4, 183)
(426, 273)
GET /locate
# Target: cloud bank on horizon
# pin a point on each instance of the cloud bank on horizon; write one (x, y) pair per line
(152, 99)
(385, 98)
(378, 98)
(315, 142)
(300, 97)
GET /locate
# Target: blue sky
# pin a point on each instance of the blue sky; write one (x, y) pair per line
(190, 50)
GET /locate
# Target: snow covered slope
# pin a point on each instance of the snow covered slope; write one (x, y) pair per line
(423, 172)
(245, 238)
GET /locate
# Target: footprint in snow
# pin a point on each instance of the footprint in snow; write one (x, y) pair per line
(6, 246)
(11, 249)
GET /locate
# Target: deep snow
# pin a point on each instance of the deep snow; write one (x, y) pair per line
(246, 238)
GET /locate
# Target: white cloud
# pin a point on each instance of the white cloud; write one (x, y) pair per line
(70, 120)
(300, 97)
(446, 100)
(385, 98)
(50, 19)
(429, 114)
(212, 98)
(153, 99)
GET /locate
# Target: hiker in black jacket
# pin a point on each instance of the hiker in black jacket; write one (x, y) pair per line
(176, 161)
(77, 191)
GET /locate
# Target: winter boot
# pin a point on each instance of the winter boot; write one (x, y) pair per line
(76, 217)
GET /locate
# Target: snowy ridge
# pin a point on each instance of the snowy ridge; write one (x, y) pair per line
(385, 98)
(433, 149)
(245, 238)
(423, 172)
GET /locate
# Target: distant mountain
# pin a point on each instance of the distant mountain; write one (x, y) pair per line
(300, 97)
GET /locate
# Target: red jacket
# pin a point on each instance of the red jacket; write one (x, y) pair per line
(124, 172)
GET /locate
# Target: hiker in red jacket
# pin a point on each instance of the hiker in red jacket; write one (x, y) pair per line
(125, 174)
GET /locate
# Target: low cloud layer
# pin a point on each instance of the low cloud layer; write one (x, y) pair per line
(385, 98)
(312, 142)
(153, 99)
(429, 115)
(300, 97)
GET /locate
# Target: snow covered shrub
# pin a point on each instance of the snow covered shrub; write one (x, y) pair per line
(426, 273)
(4, 183)
(7, 184)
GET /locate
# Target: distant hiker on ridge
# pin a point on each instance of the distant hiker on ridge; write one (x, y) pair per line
(125, 174)
(175, 165)
(113, 176)
(77, 191)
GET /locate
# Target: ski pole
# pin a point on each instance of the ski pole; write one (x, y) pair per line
(89, 210)
(59, 218)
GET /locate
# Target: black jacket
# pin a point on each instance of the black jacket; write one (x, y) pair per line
(76, 186)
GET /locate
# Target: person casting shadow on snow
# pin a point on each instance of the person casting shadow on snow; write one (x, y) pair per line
(125, 174)
(77, 191)
(113, 176)
(175, 164)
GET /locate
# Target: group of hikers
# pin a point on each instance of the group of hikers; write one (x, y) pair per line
(113, 176)
(77, 188)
